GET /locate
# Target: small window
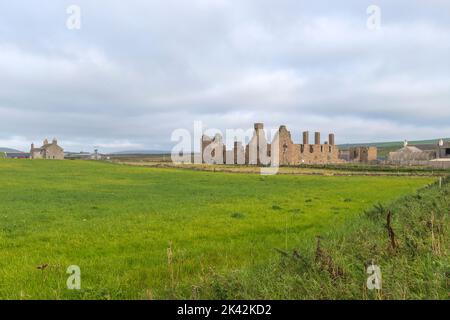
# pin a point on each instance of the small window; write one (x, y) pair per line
(447, 151)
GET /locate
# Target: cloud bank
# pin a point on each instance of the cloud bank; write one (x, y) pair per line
(137, 70)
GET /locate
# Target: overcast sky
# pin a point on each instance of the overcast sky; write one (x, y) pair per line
(137, 70)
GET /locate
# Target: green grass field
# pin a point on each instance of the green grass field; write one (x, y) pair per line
(413, 258)
(149, 233)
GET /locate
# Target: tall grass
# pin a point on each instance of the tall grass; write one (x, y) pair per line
(408, 239)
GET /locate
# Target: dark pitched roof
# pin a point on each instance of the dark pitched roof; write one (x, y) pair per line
(425, 147)
(17, 155)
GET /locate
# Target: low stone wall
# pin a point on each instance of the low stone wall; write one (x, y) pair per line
(432, 164)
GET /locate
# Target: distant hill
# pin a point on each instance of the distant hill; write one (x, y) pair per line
(10, 150)
(141, 152)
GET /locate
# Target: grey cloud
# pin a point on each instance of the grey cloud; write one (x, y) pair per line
(137, 70)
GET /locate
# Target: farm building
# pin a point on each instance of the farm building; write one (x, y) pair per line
(434, 155)
(78, 155)
(412, 153)
(363, 154)
(85, 156)
(16, 155)
(47, 151)
(443, 150)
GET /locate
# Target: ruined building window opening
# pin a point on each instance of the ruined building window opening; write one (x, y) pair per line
(447, 151)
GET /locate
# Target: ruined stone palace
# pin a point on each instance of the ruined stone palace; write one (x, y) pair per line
(282, 150)
(47, 151)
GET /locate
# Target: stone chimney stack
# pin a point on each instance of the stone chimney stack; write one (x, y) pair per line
(317, 138)
(45, 142)
(331, 139)
(306, 137)
(259, 126)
